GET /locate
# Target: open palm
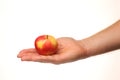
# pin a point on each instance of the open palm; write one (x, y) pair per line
(68, 50)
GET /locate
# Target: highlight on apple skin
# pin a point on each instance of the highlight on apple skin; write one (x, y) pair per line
(46, 45)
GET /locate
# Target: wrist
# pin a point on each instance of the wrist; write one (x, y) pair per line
(89, 46)
(84, 44)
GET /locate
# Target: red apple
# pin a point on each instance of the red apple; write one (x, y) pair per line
(46, 45)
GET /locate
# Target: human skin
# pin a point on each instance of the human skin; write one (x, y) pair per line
(104, 41)
(70, 49)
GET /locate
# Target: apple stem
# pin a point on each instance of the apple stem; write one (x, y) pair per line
(47, 36)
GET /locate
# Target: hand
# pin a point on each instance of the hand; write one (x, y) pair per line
(68, 50)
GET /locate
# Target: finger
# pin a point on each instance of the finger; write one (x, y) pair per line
(28, 50)
(41, 58)
(26, 58)
(29, 54)
(25, 51)
(55, 59)
(35, 59)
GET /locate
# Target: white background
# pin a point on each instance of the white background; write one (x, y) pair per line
(21, 21)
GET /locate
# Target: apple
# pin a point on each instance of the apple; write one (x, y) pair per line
(46, 45)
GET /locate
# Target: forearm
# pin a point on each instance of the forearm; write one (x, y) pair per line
(104, 41)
